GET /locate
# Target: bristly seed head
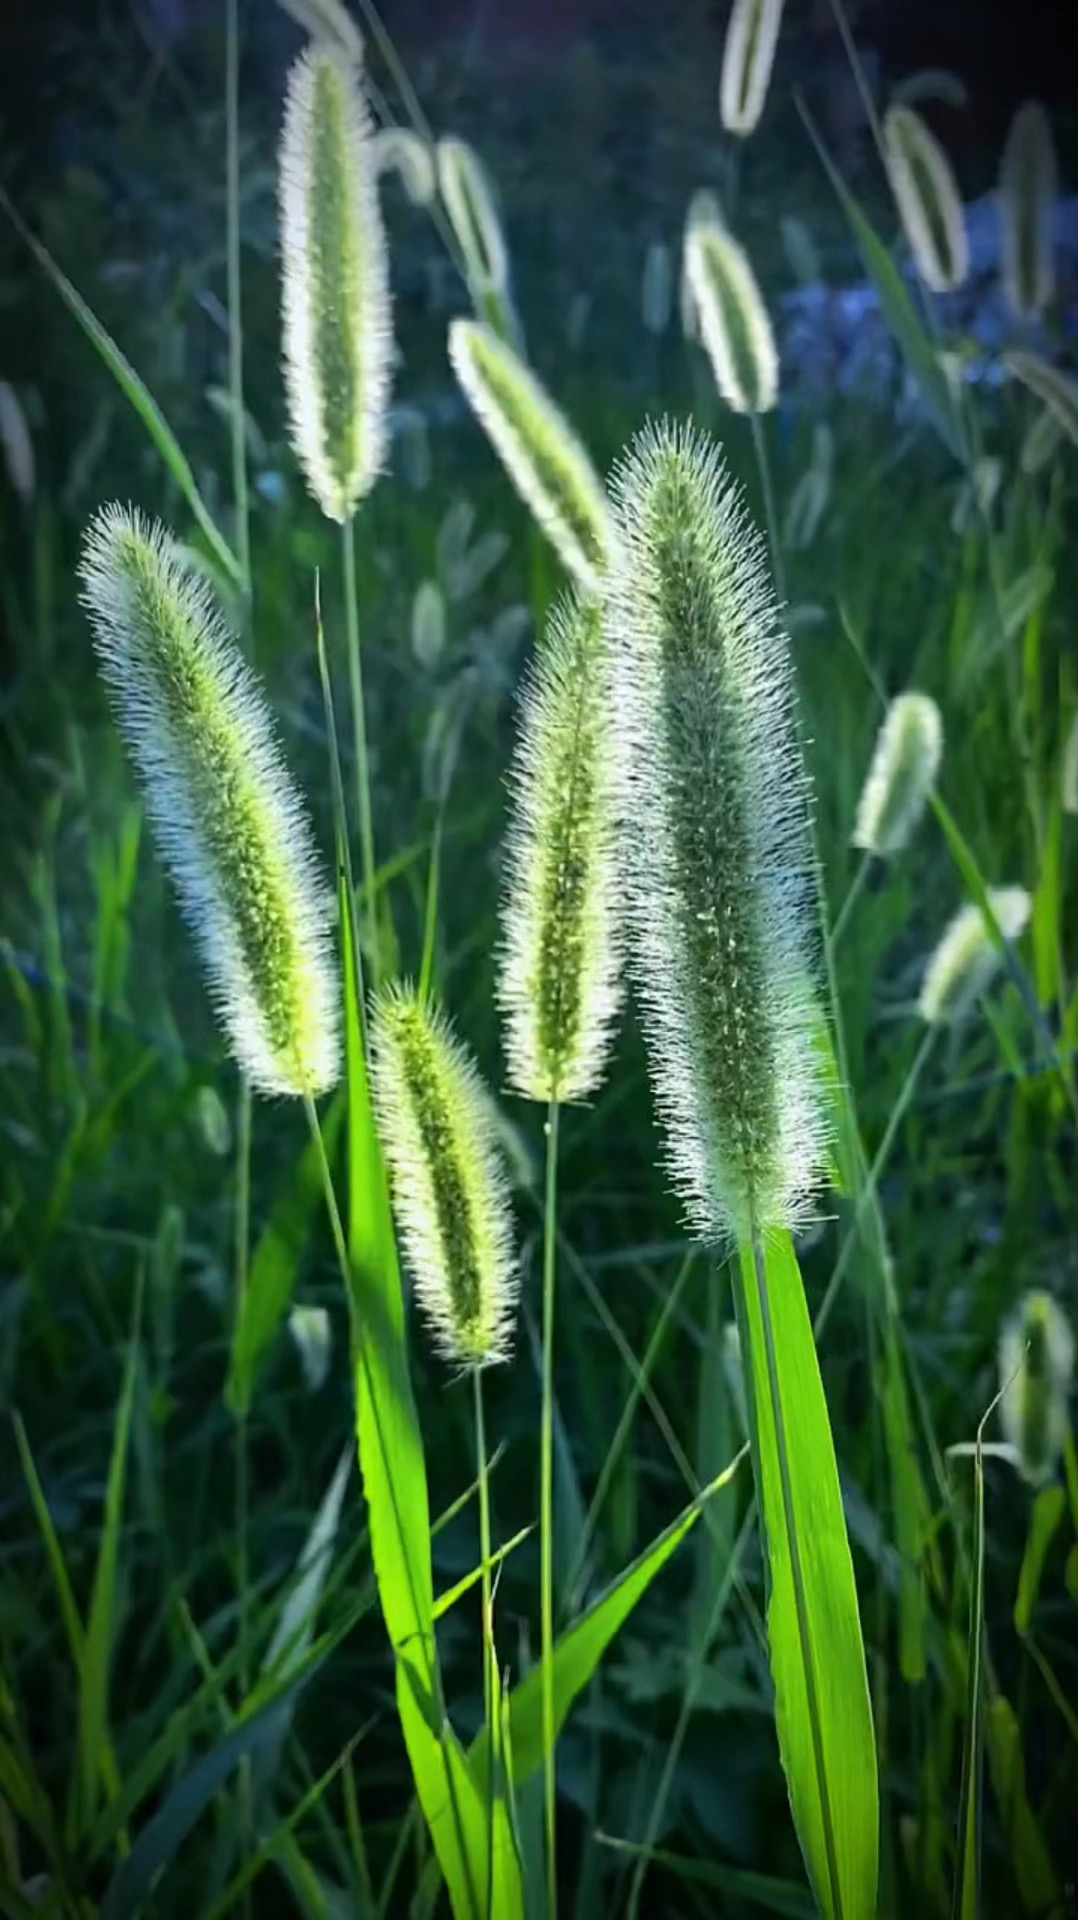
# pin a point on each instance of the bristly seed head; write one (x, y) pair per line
(733, 321)
(335, 282)
(542, 455)
(747, 59)
(1027, 197)
(717, 848)
(231, 827)
(1036, 1363)
(559, 984)
(903, 772)
(449, 1186)
(967, 959)
(929, 203)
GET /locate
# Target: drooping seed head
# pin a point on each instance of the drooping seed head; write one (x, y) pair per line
(559, 986)
(468, 198)
(1036, 1364)
(967, 959)
(230, 825)
(1027, 194)
(747, 59)
(448, 1181)
(329, 23)
(717, 848)
(401, 151)
(733, 321)
(928, 200)
(904, 766)
(539, 450)
(704, 209)
(335, 283)
(1058, 390)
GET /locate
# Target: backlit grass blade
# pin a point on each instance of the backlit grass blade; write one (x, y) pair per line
(135, 390)
(822, 1706)
(1031, 1860)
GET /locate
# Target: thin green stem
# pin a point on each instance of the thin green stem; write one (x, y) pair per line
(546, 1506)
(808, 1658)
(359, 726)
(488, 1619)
(763, 465)
(853, 894)
(241, 1262)
(235, 311)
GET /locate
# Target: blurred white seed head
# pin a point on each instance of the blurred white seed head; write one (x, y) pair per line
(401, 151)
(1058, 390)
(704, 209)
(967, 959)
(733, 1368)
(929, 203)
(448, 1180)
(312, 1337)
(468, 198)
(717, 853)
(338, 343)
(16, 444)
(559, 979)
(546, 462)
(747, 59)
(656, 288)
(1036, 1366)
(329, 24)
(903, 772)
(428, 623)
(732, 319)
(231, 826)
(1027, 192)
(1069, 776)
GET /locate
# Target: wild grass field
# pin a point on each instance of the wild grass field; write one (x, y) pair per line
(538, 1214)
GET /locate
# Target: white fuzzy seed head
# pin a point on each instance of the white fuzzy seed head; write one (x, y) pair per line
(928, 200)
(329, 23)
(546, 462)
(338, 342)
(401, 151)
(1036, 1365)
(967, 959)
(747, 59)
(732, 319)
(909, 747)
(559, 979)
(1027, 192)
(468, 198)
(448, 1180)
(230, 825)
(717, 855)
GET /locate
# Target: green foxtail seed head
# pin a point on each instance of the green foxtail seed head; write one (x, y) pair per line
(547, 464)
(1058, 390)
(559, 978)
(747, 59)
(468, 198)
(230, 825)
(704, 209)
(717, 850)
(1036, 1356)
(398, 150)
(966, 960)
(1069, 776)
(903, 772)
(450, 1192)
(335, 283)
(732, 318)
(929, 203)
(1027, 193)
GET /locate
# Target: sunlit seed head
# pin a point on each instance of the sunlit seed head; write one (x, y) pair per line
(1059, 391)
(312, 1336)
(230, 825)
(448, 1181)
(717, 855)
(747, 59)
(428, 624)
(335, 283)
(559, 980)
(468, 198)
(929, 203)
(1027, 193)
(541, 453)
(903, 772)
(966, 961)
(1069, 770)
(1036, 1366)
(401, 151)
(732, 319)
(704, 209)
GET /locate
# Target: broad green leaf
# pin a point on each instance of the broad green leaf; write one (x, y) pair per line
(822, 1706)
(275, 1262)
(1045, 1515)
(1030, 1858)
(133, 388)
(455, 1809)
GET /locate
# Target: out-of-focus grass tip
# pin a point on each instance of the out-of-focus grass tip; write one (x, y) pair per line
(904, 766)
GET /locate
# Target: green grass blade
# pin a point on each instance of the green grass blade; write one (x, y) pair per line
(966, 1898)
(1045, 1515)
(134, 389)
(755, 1889)
(274, 1264)
(1031, 1861)
(822, 1706)
(73, 1627)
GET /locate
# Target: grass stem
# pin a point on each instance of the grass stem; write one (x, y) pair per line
(359, 726)
(853, 894)
(489, 1670)
(546, 1504)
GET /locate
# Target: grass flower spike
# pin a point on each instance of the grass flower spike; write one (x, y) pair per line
(450, 1192)
(230, 825)
(468, 199)
(547, 464)
(747, 59)
(719, 862)
(335, 283)
(929, 202)
(966, 960)
(559, 982)
(732, 319)
(1036, 1356)
(1027, 193)
(901, 777)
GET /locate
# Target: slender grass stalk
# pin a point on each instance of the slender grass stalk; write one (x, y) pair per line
(489, 1654)
(853, 894)
(359, 727)
(774, 538)
(241, 1265)
(546, 1507)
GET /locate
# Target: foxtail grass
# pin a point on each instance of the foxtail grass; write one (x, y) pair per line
(732, 319)
(928, 200)
(1027, 195)
(1036, 1369)
(747, 60)
(900, 779)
